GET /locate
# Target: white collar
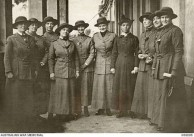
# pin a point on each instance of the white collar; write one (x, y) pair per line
(22, 34)
(124, 34)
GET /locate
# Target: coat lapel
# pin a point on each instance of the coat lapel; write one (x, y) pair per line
(20, 39)
(64, 44)
(165, 30)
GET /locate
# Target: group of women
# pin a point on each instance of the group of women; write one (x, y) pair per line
(56, 74)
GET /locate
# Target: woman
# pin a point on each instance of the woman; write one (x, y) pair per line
(42, 83)
(103, 79)
(20, 69)
(124, 64)
(49, 36)
(64, 68)
(169, 75)
(145, 55)
(153, 108)
(86, 55)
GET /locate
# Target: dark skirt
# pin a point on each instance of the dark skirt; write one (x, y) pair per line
(62, 96)
(42, 91)
(84, 87)
(140, 99)
(102, 91)
(123, 90)
(19, 103)
(170, 110)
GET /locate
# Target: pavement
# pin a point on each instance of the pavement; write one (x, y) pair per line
(108, 124)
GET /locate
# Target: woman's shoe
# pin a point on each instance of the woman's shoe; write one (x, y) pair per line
(132, 115)
(151, 124)
(119, 115)
(108, 112)
(86, 112)
(160, 129)
(100, 112)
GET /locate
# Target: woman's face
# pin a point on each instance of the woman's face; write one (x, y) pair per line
(125, 27)
(22, 27)
(102, 27)
(157, 22)
(146, 22)
(64, 32)
(49, 26)
(81, 29)
(165, 19)
(33, 27)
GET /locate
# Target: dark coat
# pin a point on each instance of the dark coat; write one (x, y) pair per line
(21, 57)
(63, 59)
(124, 59)
(172, 111)
(103, 46)
(85, 49)
(169, 51)
(146, 48)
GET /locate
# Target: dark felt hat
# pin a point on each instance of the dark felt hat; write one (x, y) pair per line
(80, 23)
(20, 19)
(34, 20)
(47, 19)
(123, 19)
(145, 15)
(167, 11)
(154, 14)
(64, 25)
(101, 20)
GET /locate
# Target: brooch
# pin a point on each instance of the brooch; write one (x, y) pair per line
(146, 38)
(158, 41)
(79, 43)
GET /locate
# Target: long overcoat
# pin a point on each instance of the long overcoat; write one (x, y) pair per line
(143, 88)
(124, 59)
(171, 95)
(21, 60)
(42, 83)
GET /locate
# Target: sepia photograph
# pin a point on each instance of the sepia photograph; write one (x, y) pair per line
(96, 66)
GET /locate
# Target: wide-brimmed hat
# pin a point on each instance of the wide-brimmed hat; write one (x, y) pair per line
(34, 20)
(145, 15)
(47, 19)
(20, 19)
(80, 23)
(167, 11)
(64, 25)
(123, 19)
(101, 20)
(154, 14)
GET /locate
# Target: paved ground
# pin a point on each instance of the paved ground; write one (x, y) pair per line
(108, 124)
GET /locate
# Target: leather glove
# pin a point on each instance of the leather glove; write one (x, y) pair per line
(9, 75)
(52, 76)
(112, 70)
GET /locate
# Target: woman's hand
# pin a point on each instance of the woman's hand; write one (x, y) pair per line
(112, 70)
(77, 74)
(52, 76)
(83, 66)
(9, 75)
(168, 75)
(135, 70)
(42, 64)
(140, 56)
